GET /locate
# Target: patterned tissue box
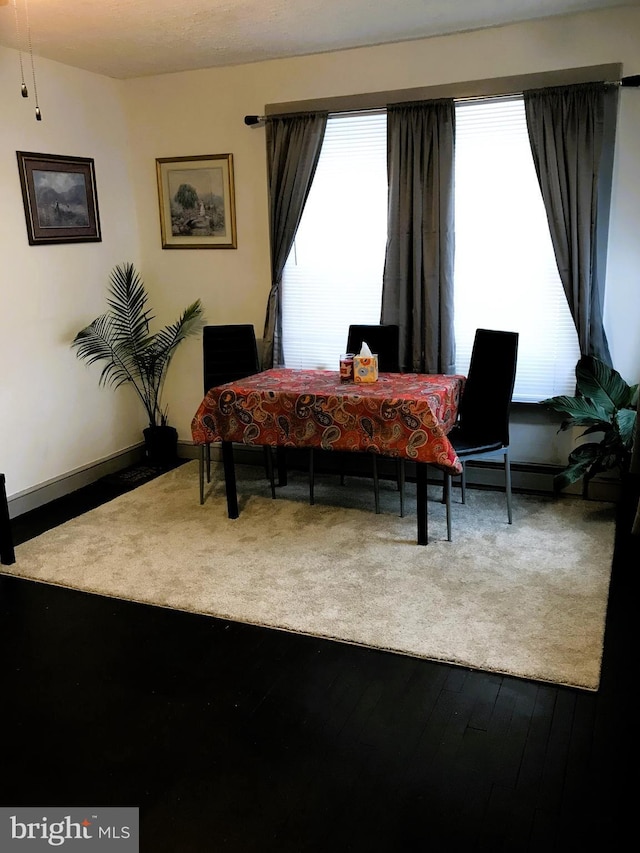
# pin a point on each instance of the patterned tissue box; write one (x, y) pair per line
(365, 368)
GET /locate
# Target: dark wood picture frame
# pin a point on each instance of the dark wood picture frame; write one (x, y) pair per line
(60, 198)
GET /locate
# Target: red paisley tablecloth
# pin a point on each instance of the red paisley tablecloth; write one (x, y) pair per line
(402, 414)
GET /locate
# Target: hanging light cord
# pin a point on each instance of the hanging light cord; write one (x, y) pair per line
(23, 86)
(33, 67)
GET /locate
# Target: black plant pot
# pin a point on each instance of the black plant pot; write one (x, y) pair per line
(161, 445)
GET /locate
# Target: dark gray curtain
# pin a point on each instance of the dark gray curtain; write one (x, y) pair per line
(635, 470)
(572, 131)
(293, 148)
(417, 292)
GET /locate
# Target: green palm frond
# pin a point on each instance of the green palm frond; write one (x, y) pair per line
(127, 301)
(98, 343)
(121, 338)
(166, 340)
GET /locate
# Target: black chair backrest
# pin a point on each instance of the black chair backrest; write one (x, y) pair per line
(229, 352)
(382, 340)
(486, 399)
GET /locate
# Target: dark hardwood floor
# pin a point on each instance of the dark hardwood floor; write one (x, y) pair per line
(234, 737)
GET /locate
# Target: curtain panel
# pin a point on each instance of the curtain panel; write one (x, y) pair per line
(572, 131)
(293, 148)
(417, 293)
(635, 471)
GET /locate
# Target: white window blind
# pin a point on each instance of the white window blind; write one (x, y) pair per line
(505, 271)
(333, 276)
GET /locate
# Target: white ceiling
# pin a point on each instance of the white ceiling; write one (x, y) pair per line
(134, 38)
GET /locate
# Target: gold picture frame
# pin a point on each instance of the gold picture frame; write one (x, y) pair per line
(60, 198)
(197, 202)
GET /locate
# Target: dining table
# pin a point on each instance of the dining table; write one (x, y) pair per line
(400, 415)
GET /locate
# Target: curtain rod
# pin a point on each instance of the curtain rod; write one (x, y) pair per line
(626, 82)
(632, 81)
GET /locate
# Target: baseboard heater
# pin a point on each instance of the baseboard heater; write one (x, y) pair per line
(526, 477)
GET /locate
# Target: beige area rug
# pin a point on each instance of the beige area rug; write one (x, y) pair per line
(528, 599)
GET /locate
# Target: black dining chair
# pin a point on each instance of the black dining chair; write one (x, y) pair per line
(384, 341)
(229, 352)
(482, 427)
(7, 553)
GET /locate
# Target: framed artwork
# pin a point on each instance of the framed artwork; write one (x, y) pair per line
(197, 202)
(60, 198)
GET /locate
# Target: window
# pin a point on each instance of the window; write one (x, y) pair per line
(333, 276)
(505, 272)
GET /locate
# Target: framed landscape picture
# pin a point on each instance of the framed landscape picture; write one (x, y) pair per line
(60, 198)
(197, 202)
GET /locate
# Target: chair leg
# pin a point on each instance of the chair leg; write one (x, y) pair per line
(268, 464)
(463, 483)
(281, 465)
(507, 483)
(447, 500)
(376, 483)
(7, 552)
(401, 482)
(204, 462)
(201, 472)
(311, 477)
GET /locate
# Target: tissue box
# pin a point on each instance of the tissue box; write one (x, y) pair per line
(365, 368)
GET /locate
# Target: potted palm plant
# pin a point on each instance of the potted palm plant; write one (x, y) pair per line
(606, 405)
(121, 338)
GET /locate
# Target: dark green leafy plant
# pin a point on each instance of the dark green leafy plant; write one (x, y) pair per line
(121, 338)
(604, 404)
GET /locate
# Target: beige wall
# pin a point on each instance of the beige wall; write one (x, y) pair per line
(54, 418)
(202, 112)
